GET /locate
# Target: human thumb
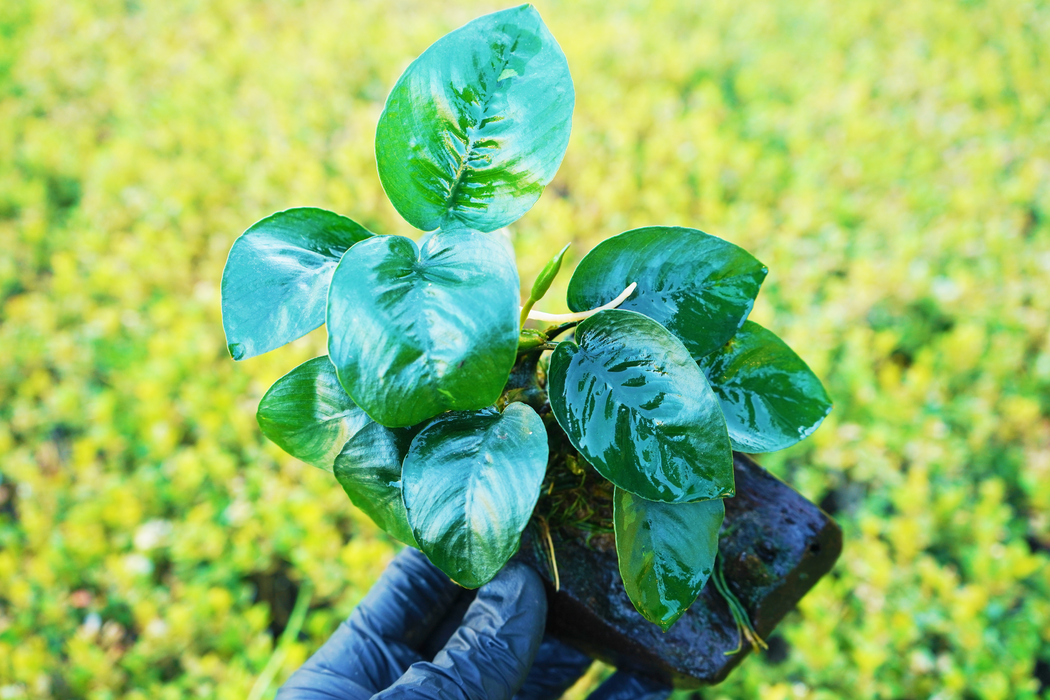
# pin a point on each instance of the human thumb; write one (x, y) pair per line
(490, 654)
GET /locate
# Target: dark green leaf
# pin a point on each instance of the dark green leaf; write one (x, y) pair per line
(275, 282)
(308, 415)
(369, 470)
(416, 332)
(471, 481)
(699, 287)
(547, 275)
(666, 552)
(770, 398)
(637, 407)
(477, 126)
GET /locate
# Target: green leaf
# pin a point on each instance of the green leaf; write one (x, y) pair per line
(637, 407)
(770, 398)
(276, 278)
(666, 552)
(547, 275)
(699, 287)
(369, 470)
(417, 332)
(308, 415)
(471, 481)
(477, 126)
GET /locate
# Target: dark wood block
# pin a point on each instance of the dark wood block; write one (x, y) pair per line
(775, 545)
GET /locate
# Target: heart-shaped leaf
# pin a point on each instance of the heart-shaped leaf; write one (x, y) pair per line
(275, 283)
(477, 126)
(416, 332)
(308, 415)
(637, 407)
(666, 552)
(770, 397)
(369, 470)
(701, 288)
(470, 483)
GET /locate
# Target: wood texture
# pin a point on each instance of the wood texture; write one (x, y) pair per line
(775, 545)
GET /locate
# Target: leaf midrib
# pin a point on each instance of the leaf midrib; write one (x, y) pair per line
(462, 170)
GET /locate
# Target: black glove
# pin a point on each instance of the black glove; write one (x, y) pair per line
(418, 635)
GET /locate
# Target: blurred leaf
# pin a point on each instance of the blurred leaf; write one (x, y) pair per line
(276, 279)
(416, 332)
(308, 415)
(666, 552)
(770, 397)
(639, 409)
(369, 470)
(477, 126)
(471, 481)
(701, 288)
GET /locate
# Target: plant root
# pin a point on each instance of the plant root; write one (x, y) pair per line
(744, 628)
(535, 315)
(550, 550)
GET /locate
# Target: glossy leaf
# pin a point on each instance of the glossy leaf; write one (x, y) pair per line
(369, 470)
(666, 552)
(477, 126)
(416, 332)
(637, 407)
(701, 288)
(471, 481)
(275, 283)
(308, 415)
(770, 397)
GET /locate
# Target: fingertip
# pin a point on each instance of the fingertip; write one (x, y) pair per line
(517, 589)
(409, 600)
(556, 667)
(494, 647)
(511, 609)
(414, 563)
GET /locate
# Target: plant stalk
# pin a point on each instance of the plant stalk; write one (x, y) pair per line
(288, 637)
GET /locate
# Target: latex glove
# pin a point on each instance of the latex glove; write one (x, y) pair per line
(418, 635)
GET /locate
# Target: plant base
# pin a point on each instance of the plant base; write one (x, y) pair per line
(775, 545)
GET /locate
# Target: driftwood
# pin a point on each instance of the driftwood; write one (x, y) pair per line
(775, 545)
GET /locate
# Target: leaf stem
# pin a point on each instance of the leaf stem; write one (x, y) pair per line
(530, 313)
(526, 311)
(290, 634)
(554, 331)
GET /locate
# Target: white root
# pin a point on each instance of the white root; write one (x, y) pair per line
(580, 315)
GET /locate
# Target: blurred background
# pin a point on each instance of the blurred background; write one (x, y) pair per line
(889, 162)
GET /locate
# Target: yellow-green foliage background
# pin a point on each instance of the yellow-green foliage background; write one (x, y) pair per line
(889, 162)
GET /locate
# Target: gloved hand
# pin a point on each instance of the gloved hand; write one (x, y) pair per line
(418, 635)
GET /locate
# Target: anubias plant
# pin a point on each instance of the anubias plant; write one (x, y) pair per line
(440, 415)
